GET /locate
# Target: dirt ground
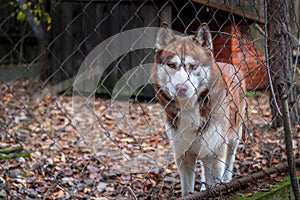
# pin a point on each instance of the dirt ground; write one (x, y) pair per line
(117, 150)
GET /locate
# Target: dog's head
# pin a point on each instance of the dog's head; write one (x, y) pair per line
(183, 63)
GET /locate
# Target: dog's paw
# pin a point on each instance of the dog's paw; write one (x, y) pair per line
(203, 186)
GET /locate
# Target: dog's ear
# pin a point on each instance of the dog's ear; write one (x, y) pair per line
(203, 36)
(164, 36)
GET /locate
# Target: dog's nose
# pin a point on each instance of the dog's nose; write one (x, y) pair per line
(181, 88)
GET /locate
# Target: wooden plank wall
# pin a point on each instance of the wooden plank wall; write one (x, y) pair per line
(79, 27)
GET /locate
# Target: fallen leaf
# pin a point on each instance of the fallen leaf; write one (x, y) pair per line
(248, 194)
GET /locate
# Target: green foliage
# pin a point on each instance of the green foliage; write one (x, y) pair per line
(37, 8)
(21, 16)
(251, 94)
(279, 191)
(13, 152)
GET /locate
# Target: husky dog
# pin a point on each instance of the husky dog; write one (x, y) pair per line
(204, 105)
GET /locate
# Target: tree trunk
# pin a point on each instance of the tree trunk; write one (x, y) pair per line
(280, 60)
(43, 43)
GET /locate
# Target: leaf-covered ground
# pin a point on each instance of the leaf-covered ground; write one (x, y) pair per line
(107, 149)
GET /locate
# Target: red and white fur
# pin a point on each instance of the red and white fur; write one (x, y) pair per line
(204, 105)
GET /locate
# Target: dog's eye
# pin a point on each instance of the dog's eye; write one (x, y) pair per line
(172, 65)
(192, 67)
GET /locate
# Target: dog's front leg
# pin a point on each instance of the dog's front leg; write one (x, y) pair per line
(186, 164)
(214, 167)
(231, 153)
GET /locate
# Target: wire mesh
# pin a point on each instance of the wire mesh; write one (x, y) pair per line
(80, 116)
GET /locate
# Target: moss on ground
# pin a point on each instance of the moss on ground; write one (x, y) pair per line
(280, 191)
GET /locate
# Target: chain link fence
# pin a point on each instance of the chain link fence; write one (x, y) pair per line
(79, 115)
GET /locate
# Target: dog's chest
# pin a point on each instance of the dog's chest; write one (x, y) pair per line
(188, 121)
(195, 131)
